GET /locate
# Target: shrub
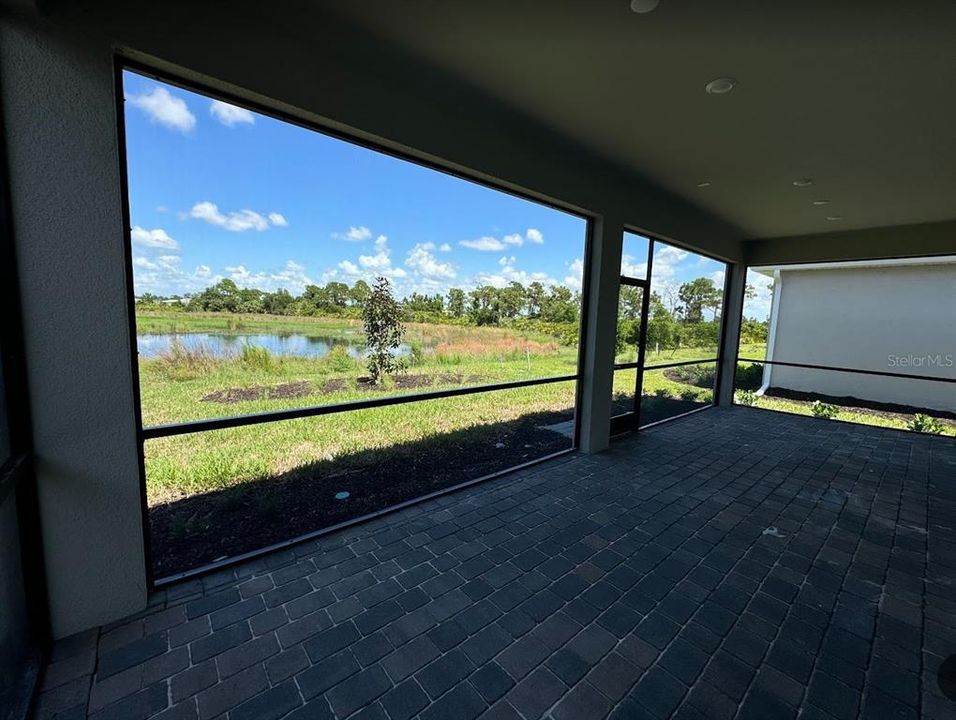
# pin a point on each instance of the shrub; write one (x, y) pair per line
(824, 410)
(339, 360)
(749, 377)
(688, 394)
(699, 375)
(745, 397)
(662, 393)
(182, 363)
(258, 357)
(925, 424)
(416, 356)
(382, 318)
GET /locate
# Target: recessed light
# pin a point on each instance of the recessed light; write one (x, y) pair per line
(803, 182)
(834, 217)
(821, 202)
(703, 184)
(643, 6)
(720, 86)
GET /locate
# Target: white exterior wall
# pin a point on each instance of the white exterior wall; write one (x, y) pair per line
(889, 318)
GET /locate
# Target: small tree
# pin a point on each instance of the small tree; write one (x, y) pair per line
(382, 317)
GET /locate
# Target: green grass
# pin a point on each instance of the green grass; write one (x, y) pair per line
(173, 387)
(845, 414)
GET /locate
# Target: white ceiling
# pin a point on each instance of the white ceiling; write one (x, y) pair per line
(860, 96)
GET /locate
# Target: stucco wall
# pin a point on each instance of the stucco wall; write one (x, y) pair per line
(891, 319)
(68, 229)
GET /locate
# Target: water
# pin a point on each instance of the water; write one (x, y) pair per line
(230, 344)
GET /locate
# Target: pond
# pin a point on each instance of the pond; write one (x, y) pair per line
(226, 345)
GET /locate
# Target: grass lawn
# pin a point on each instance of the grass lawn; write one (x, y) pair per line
(194, 385)
(849, 414)
(176, 388)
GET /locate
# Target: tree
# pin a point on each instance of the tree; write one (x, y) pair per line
(697, 295)
(511, 299)
(359, 293)
(277, 303)
(484, 305)
(384, 331)
(535, 296)
(224, 296)
(456, 302)
(560, 305)
(337, 294)
(663, 330)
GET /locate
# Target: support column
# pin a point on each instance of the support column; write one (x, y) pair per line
(604, 274)
(733, 308)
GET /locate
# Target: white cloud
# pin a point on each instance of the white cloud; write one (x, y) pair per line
(633, 269)
(758, 308)
(575, 277)
(156, 238)
(444, 247)
(278, 219)
(354, 234)
(350, 268)
(371, 266)
(292, 277)
(230, 115)
(421, 260)
(164, 276)
(510, 273)
(238, 221)
(489, 243)
(164, 108)
(485, 244)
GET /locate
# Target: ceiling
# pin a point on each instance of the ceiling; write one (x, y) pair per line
(859, 96)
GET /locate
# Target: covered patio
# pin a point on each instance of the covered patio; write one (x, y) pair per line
(736, 563)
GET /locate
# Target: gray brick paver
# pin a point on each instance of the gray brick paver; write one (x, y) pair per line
(637, 581)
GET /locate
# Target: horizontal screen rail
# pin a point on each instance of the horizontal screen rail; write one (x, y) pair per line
(193, 426)
(879, 373)
(636, 365)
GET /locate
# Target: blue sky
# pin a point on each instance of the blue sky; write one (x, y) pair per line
(217, 191)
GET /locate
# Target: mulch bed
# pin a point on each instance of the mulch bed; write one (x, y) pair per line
(192, 532)
(303, 388)
(285, 391)
(889, 411)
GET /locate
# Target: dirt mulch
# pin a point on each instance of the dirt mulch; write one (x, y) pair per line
(303, 388)
(333, 386)
(194, 531)
(285, 391)
(887, 411)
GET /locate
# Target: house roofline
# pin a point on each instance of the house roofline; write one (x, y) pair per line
(853, 264)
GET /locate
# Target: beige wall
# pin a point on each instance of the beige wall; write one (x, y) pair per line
(871, 318)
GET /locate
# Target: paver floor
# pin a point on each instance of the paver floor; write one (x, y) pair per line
(733, 564)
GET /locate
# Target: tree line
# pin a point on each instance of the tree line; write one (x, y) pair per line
(484, 305)
(690, 319)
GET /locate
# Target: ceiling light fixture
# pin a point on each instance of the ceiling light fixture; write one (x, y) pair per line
(720, 86)
(821, 202)
(803, 182)
(703, 184)
(834, 217)
(643, 6)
